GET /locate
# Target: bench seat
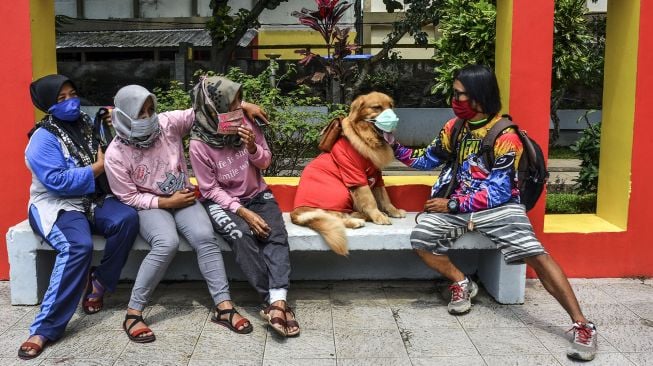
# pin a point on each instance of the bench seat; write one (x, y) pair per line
(31, 260)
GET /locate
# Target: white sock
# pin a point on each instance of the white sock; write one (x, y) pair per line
(277, 294)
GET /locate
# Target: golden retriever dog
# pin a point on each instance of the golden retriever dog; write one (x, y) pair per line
(343, 188)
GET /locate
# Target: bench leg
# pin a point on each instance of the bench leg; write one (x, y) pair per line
(505, 282)
(29, 274)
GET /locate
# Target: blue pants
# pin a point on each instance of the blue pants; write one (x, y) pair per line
(71, 238)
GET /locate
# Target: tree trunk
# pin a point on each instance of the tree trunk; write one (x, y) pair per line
(556, 98)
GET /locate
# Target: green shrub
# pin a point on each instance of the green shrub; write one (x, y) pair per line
(570, 203)
(587, 148)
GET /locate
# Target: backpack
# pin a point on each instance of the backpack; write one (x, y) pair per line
(531, 169)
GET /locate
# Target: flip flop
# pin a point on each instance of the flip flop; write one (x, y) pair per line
(227, 323)
(265, 314)
(25, 355)
(93, 302)
(134, 337)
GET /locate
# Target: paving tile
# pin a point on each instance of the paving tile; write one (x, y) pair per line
(603, 359)
(629, 292)
(414, 296)
(434, 342)
(629, 338)
(181, 296)
(641, 358)
(26, 321)
(129, 362)
(15, 361)
(221, 344)
(169, 346)
(67, 361)
(405, 284)
(374, 361)
(545, 314)
(412, 317)
(642, 309)
(194, 362)
(5, 293)
(490, 316)
(349, 296)
(521, 360)
(301, 362)
(80, 344)
(118, 299)
(166, 318)
(363, 343)
(301, 295)
(610, 314)
(505, 341)
(244, 297)
(311, 343)
(557, 339)
(108, 319)
(449, 361)
(10, 315)
(314, 315)
(586, 293)
(11, 340)
(363, 317)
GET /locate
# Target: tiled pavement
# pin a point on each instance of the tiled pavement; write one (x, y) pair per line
(351, 323)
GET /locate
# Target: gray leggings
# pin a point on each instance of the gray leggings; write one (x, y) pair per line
(159, 228)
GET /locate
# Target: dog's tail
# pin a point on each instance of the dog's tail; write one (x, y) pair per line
(329, 226)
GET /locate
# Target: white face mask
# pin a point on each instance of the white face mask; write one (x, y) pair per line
(142, 131)
(386, 121)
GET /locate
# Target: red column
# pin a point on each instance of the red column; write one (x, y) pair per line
(17, 117)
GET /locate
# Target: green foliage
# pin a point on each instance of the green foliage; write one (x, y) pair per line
(570, 203)
(294, 129)
(173, 98)
(468, 29)
(587, 148)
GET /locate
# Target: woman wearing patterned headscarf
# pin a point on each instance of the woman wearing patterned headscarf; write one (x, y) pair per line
(228, 152)
(147, 170)
(70, 200)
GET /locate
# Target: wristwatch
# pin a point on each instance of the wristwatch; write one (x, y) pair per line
(453, 205)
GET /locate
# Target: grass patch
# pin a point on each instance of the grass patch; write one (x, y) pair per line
(570, 203)
(562, 152)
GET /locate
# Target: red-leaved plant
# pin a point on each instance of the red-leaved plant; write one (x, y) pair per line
(325, 20)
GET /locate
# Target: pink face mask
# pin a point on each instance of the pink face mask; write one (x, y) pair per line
(462, 109)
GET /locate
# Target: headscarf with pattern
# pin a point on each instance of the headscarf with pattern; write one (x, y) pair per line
(213, 95)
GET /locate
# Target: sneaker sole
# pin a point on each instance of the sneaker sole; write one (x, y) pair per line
(583, 356)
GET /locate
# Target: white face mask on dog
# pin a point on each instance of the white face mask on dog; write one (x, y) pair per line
(386, 121)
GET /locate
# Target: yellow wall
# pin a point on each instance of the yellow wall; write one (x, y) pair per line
(503, 49)
(44, 52)
(618, 111)
(291, 37)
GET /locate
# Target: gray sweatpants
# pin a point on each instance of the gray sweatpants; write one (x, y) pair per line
(265, 262)
(159, 228)
(507, 226)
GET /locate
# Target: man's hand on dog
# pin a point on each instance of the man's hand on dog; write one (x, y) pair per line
(247, 135)
(436, 205)
(255, 222)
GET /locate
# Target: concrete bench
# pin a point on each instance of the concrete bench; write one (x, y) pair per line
(376, 252)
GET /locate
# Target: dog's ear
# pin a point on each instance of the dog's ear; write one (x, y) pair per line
(354, 109)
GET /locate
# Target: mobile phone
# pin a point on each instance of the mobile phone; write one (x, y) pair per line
(260, 122)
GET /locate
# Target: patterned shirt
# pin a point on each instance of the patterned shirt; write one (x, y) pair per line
(478, 187)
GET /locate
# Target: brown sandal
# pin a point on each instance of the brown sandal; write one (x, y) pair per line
(25, 355)
(291, 323)
(135, 336)
(265, 314)
(227, 323)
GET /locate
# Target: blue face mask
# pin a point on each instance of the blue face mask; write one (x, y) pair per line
(68, 110)
(386, 121)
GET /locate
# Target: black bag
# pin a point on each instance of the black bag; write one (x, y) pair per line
(531, 169)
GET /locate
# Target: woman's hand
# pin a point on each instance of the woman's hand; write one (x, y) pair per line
(253, 111)
(179, 199)
(255, 222)
(247, 135)
(436, 205)
(98, 166)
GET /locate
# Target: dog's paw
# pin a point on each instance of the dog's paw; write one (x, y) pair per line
(396, 213)
(353, 223)
(380, 218)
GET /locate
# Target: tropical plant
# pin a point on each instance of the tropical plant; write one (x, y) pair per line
(325, 21)
(571, 54)
(588, 148)
(227, 29)
(468, 32)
